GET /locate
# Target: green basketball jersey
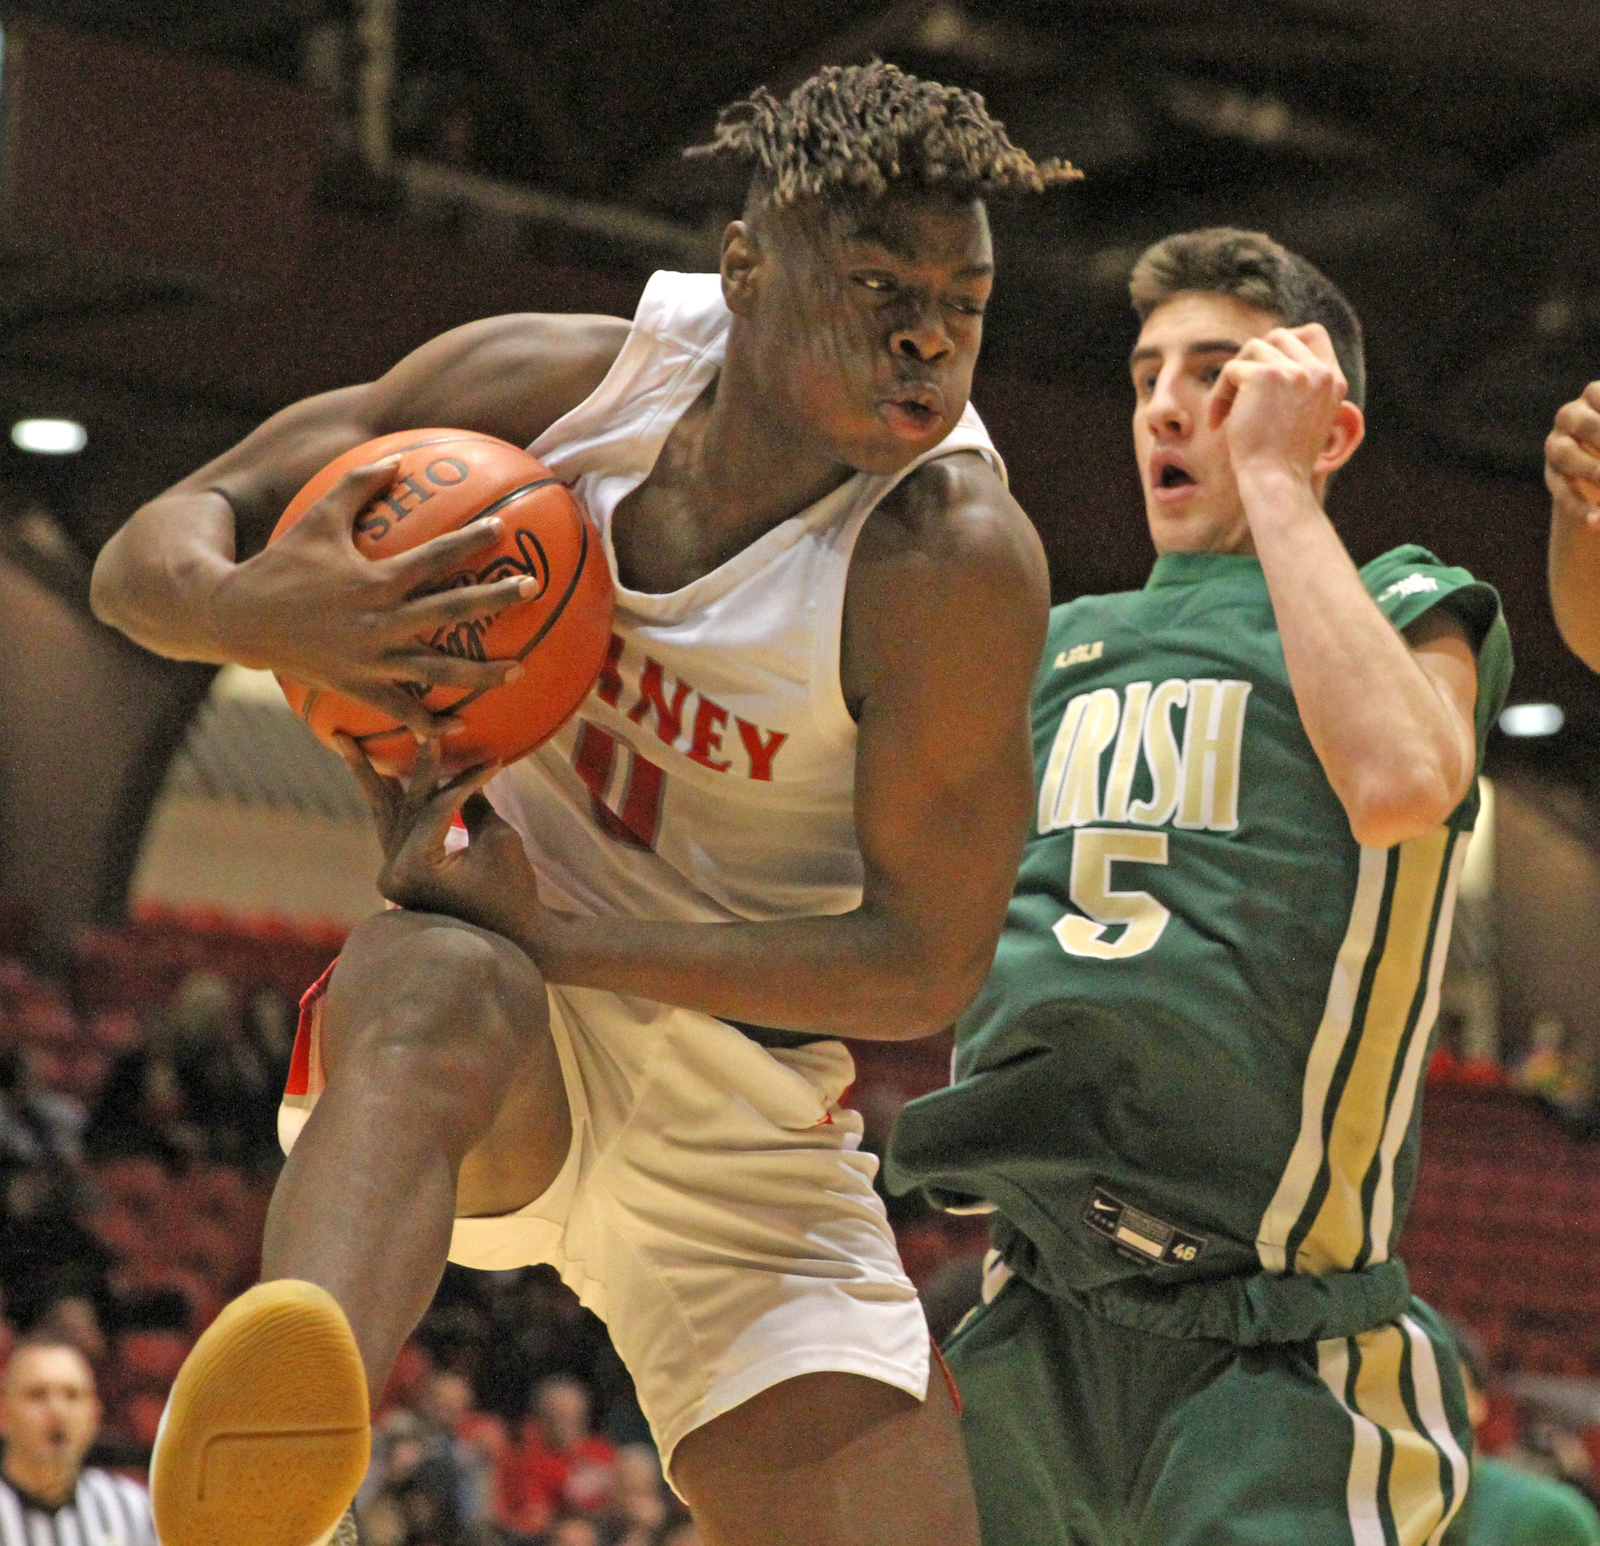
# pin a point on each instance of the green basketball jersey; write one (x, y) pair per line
(1199, 1050)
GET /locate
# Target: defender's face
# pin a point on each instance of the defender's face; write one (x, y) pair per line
(48, 1408)
(868, 320)
(1191, 497)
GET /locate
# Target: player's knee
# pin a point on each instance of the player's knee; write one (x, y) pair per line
(457, 1007)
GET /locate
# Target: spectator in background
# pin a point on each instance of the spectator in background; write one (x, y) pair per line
(73, 1319)
(572, 1530)
(40, 1131)
(412, 1491)
(1510, 1506)
(473, 1442)
(556, 1465)
(49, 1414)
(640, 1510)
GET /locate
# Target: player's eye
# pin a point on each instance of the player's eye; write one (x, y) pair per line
(879, 284)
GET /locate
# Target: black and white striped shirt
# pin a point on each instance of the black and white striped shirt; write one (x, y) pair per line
(104, 1510)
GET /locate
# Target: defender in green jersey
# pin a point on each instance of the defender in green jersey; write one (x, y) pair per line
(1190, 1085)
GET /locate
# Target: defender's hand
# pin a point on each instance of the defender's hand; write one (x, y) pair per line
(1278, 399)
(313, 607)
(1572, 458)
(489, 882)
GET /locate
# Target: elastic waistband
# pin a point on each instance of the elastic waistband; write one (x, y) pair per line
(1257, 1310)
(771, 1036)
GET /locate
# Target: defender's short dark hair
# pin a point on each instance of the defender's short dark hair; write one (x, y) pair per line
(858, 129)
(1254, 269)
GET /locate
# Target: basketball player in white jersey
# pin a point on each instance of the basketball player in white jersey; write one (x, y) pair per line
(603, 1034)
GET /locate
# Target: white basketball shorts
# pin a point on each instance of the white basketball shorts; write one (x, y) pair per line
(715, 1210)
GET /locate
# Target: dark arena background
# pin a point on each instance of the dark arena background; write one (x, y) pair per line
(207, 211)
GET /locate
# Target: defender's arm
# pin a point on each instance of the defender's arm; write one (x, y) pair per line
(1572, 473)
(1389, 714)
(189, 574)
(1390, 717)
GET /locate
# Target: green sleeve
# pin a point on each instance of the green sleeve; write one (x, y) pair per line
(1409, 582)
(1512, 1507)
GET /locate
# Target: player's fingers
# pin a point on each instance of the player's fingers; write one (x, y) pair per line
(397, 703)
(423, 781)
(431, 810)
(436, 669)
(1312, 337)
(1581, 421)
(1310, 346)
(379, 792)
(335, 513)
(461, 603)
(1258, 351)
(430, 562)
(468, 782)
(1591, 395)
(1231, 378)
(1572, 461)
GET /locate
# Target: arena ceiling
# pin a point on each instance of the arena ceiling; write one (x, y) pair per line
(1440, 158)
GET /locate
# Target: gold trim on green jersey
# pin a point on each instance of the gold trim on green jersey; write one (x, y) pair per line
(1379, 1008)
(1388, 1380)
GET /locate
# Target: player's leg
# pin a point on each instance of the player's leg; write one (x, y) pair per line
(831, 1459)
(443, 1091)
(444, 1096)
(1332, 1443)
(1059, 1407)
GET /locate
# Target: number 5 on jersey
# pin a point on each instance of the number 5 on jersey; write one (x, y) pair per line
(1138, 916)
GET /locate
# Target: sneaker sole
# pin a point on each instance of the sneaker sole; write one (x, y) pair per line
(267, 1432)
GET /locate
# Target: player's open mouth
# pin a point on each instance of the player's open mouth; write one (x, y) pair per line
(913, 413)
(1169, 477)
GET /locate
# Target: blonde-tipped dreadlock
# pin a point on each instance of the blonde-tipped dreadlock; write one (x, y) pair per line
(855, 129)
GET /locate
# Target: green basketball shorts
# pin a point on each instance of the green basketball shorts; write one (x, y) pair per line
(1085, 1433)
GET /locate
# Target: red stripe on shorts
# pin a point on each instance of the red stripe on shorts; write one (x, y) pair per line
(299, 1080)
(949, 1378)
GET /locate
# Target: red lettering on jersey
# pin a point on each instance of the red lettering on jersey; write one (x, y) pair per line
(709, 718)
(652, 694)
(608, 684)
(761, 751)
(593, 759)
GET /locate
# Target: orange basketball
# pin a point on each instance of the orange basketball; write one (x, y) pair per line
(445, 479)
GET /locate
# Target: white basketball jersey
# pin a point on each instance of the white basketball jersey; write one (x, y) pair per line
(710, 773)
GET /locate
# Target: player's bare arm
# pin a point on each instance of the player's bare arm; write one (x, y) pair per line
(1390, 715)
(1572, 473)
(190, 574)
(944, 622)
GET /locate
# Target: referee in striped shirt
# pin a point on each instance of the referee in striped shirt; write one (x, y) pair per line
(48, 1416)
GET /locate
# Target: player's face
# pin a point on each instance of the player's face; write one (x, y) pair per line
(1191, 497)
(48, 1408)
(868, 321)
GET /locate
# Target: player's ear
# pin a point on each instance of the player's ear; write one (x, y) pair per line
(741, 258)
(1349, 430)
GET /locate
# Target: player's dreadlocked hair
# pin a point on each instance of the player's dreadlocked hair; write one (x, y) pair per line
(855, 129)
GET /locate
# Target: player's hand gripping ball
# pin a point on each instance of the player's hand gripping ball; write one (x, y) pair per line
(447, 478)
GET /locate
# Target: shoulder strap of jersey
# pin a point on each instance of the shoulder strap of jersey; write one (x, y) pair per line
(679, 324)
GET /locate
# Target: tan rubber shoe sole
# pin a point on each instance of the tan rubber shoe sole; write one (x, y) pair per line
(267, 1432)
